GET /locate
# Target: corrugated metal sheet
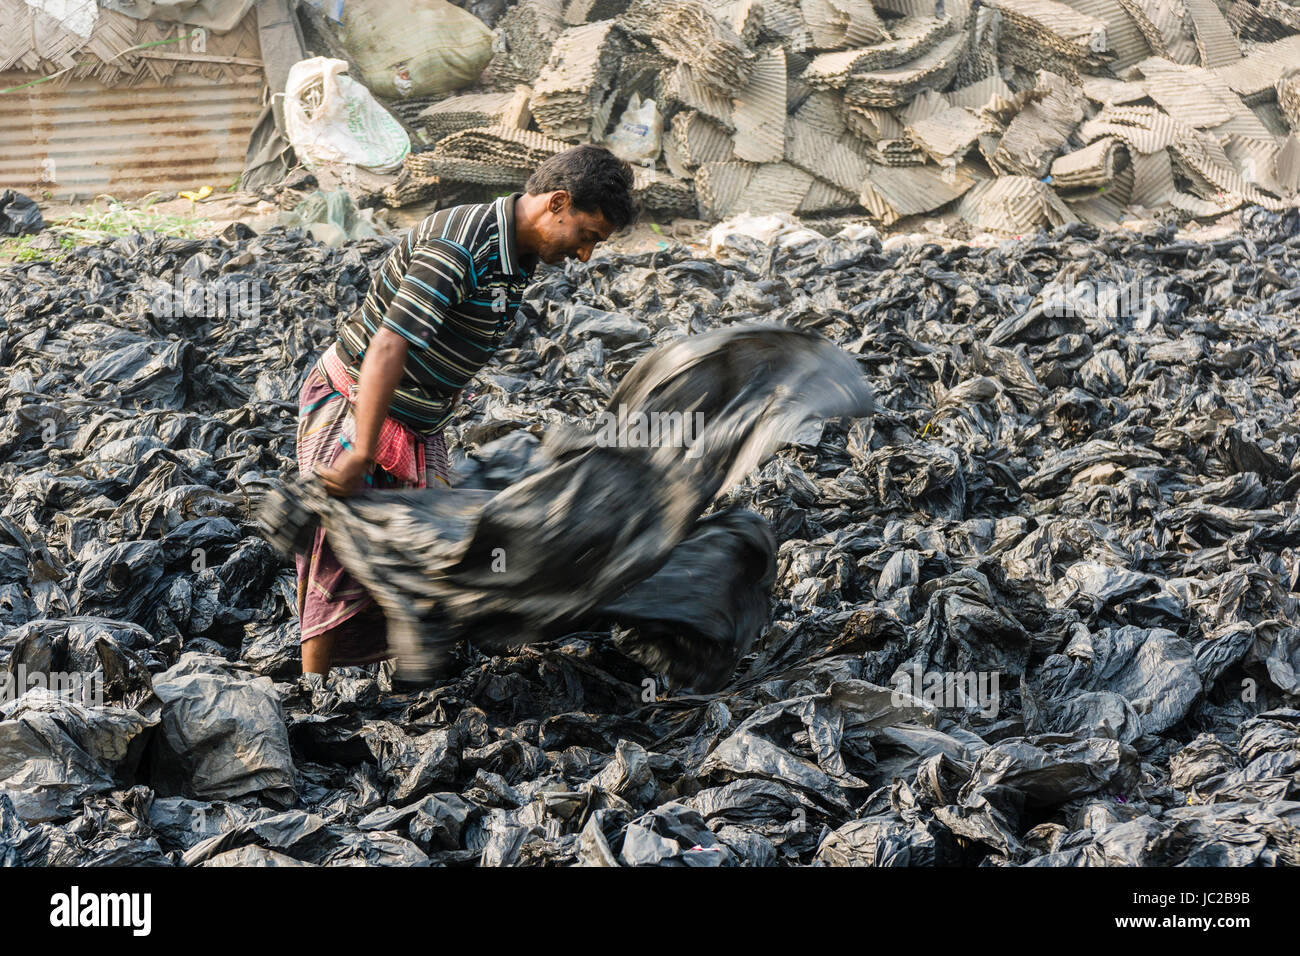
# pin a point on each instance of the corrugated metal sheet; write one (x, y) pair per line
(125, 141)
(1123, 38)
(759, 111)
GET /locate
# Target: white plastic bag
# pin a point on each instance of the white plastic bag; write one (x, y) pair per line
(331, 118)
(775, 229)
(639, 133)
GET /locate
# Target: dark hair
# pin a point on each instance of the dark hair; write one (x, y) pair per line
(594, 178)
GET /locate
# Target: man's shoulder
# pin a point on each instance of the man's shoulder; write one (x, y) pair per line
(465, 225)
(471, 229)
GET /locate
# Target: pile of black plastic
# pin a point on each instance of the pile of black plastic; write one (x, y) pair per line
(1042, 608)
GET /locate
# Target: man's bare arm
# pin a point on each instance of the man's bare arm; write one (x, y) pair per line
(381, 370)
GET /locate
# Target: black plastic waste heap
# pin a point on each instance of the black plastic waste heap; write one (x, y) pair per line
(1040, 608)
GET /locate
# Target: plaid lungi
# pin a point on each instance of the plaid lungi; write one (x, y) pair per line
(328, 596)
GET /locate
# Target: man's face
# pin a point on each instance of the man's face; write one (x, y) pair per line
(570, 233)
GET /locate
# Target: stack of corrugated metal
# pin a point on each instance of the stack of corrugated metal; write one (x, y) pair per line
(1015, 114)
(490, 156)
(691, 32)
(572, 96)
(524, 38)
(456, 113)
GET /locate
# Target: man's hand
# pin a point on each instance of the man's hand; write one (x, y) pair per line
(344, 478)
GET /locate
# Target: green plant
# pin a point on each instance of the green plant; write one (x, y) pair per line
(114, 219)
(103, 218)
(21, 249)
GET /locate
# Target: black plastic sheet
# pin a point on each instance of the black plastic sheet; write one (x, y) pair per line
(602, 529)
(1092, 499)
(19, 214)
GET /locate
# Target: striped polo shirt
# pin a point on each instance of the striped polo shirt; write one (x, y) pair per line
(451, 288)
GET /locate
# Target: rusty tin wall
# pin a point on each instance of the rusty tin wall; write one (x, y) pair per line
(85, 139)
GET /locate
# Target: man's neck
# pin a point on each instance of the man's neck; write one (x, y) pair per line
(527, 210)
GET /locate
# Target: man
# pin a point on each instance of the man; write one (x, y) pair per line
(372, 410)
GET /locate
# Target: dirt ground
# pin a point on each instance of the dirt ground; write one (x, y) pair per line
(212, 214)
